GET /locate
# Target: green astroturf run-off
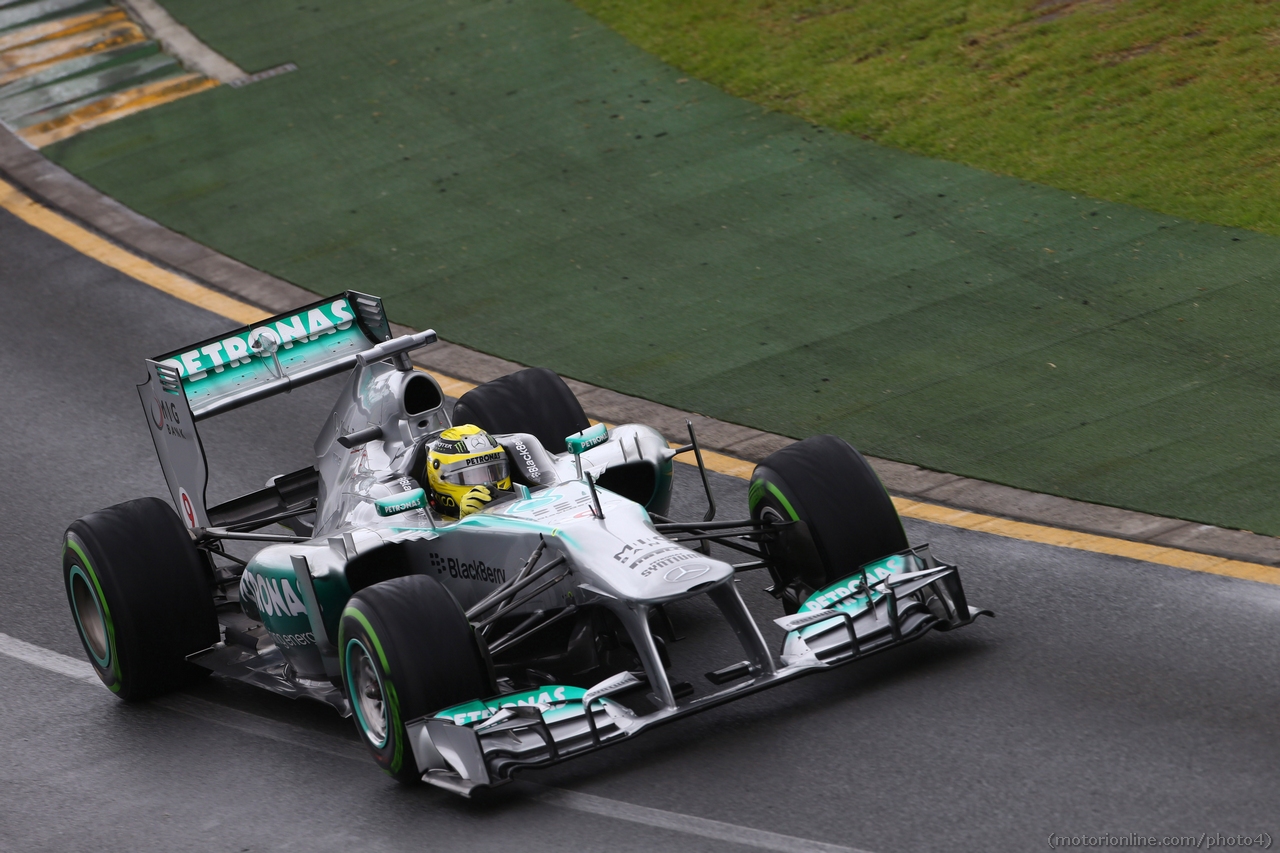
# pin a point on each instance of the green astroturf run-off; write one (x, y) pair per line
(521, 179)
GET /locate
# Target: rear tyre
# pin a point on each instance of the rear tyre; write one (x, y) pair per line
(535, 400)
(141, 597)
(826, 483)
(406, 649)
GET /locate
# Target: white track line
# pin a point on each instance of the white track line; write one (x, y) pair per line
(45, 659)
(257, 726)
(687, 824)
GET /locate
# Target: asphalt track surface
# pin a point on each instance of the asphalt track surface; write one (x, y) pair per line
(1108, 695)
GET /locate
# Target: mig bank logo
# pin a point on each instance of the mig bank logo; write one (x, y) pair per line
(165, 416)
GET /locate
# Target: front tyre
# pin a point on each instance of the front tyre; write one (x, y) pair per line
(826, 483)
(534, 400)
(140, 595)
(406, 649)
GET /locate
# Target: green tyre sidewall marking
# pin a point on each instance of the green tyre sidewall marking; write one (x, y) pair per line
(757, 494)
(389, 696)
(113, 656)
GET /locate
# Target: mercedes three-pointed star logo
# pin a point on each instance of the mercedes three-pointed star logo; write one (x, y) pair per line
(686, 573)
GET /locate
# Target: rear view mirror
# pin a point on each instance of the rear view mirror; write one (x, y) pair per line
(580, 442)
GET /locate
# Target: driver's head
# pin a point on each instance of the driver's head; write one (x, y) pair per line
(465, 466)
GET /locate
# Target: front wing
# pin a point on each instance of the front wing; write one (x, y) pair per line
(463, 750)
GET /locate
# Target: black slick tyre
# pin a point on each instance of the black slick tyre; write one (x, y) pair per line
(406, 649)
(826, 483)
(141, 597)
(535, 400)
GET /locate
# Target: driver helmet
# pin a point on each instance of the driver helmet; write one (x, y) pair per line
(465, 468)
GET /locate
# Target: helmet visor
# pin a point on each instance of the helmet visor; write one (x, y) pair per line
(462, 474)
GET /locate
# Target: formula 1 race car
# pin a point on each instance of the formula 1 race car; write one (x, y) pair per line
(518, 635)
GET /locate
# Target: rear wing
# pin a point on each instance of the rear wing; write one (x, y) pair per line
(251, 363)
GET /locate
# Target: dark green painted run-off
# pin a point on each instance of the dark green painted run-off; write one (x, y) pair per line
(521, 179)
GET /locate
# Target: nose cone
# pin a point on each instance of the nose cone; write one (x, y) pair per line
(620, 554)
(625, 557)
(692, 572)
(694, 575)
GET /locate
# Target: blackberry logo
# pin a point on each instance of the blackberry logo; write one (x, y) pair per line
(475, 570)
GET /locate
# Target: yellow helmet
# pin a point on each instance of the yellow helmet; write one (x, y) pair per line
(464, 468)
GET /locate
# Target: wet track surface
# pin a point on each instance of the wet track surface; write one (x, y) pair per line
(1107, 697)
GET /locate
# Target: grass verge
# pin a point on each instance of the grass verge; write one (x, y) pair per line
(1165, 104)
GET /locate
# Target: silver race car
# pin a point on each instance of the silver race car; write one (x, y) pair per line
(469, 645)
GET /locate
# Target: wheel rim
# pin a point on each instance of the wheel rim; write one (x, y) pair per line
(89, 617)
(795, 587)
(772, 516)
(367, 695)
